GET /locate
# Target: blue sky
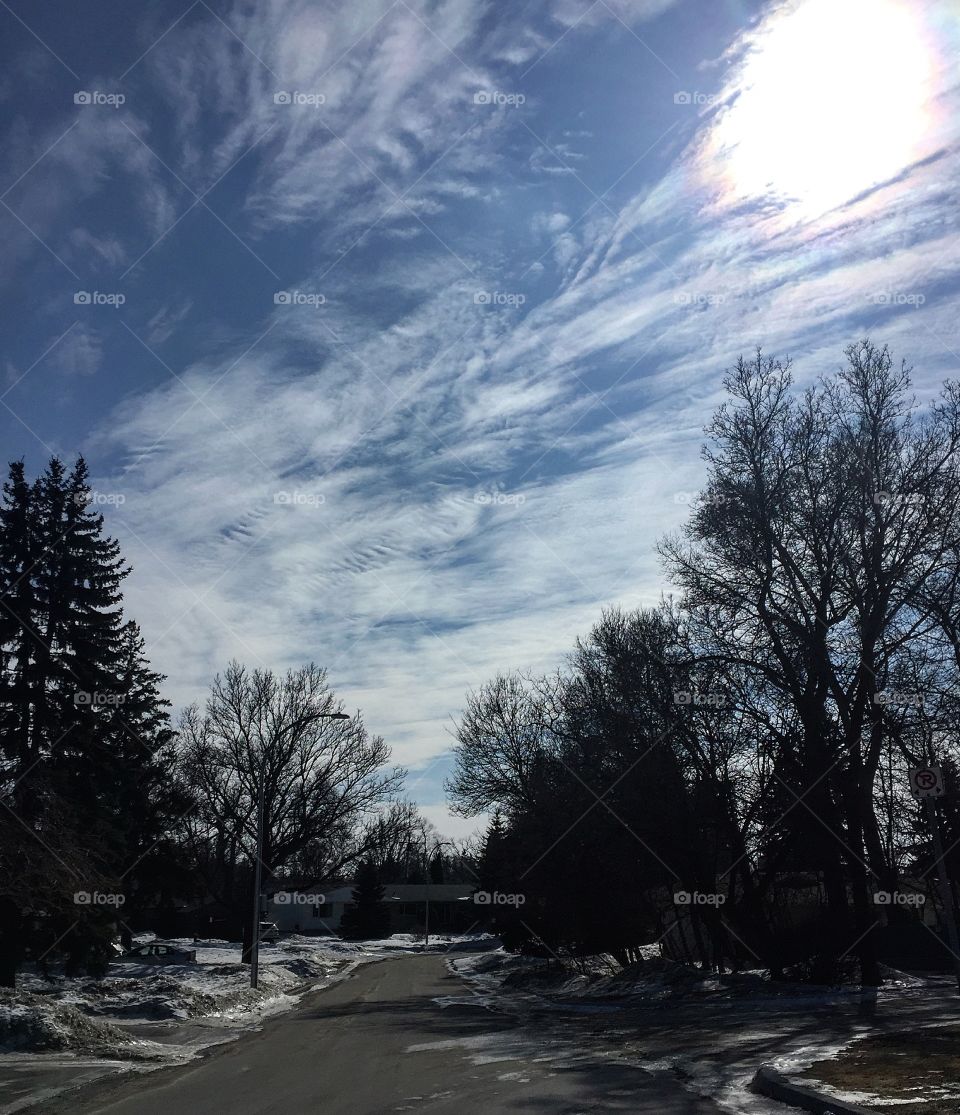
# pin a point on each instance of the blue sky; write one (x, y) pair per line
(389, 329)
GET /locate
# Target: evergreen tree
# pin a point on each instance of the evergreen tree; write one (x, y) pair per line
(493, 867)
(436, 867)
(17, 611)
(136, 793)
(80, 573)
(83, 730)
(47, 723)
(495, 872)
(368, 918)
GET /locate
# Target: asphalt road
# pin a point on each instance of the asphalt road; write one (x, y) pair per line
(399, 1035)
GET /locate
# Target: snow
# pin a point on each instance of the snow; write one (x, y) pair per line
(711, 1034)
(33, 1022)
(64, 1031)
(148, 1012)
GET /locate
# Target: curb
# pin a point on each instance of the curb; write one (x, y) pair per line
(769, 1082)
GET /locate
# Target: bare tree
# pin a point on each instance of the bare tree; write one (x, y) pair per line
(826, 519)
(502, 736)
(321, 779)
(395, 841)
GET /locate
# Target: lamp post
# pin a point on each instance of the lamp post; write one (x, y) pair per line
(426, 855)
(258, 861)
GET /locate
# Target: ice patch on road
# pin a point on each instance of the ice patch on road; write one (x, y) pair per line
(491, 1048)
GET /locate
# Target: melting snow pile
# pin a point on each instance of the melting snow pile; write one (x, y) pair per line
(35, 1023)
(105, 1017)
(100, 1016)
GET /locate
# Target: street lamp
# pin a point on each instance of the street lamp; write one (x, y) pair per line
(258, 860)
(426, 856)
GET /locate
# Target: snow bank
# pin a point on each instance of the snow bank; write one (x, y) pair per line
(102, 1017)
(34, 1023)
(710, 1033)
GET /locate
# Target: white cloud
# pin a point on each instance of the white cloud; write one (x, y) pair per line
(164, 322)
(106, 248)
(452, 827)
(411, 588)
(79, 353)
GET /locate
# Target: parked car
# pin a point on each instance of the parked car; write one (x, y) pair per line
(269, 933)
(160, 952)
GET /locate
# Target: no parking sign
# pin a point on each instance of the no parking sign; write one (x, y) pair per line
(926, 782)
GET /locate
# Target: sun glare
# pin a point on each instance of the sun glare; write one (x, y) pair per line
(835, 99)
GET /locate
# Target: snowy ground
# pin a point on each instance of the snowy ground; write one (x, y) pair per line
(712, 1034)
(143, 1016)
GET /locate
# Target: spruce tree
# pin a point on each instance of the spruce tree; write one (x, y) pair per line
(17, 612)
(79, 576)
(83, 728)
(493, 866)
(137, 796)
(368, 918)
(16, 655)
(47, 723)
(436, 867)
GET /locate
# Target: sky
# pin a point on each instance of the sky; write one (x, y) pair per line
(389, 330)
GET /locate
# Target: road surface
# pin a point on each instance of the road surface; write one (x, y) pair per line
(400, 1035)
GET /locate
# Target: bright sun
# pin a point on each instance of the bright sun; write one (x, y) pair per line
(834, 100)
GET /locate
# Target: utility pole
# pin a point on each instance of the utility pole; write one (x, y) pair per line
(927, 784)
(946, 892)
(255, 939)
(426, 916)
(426, 856)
